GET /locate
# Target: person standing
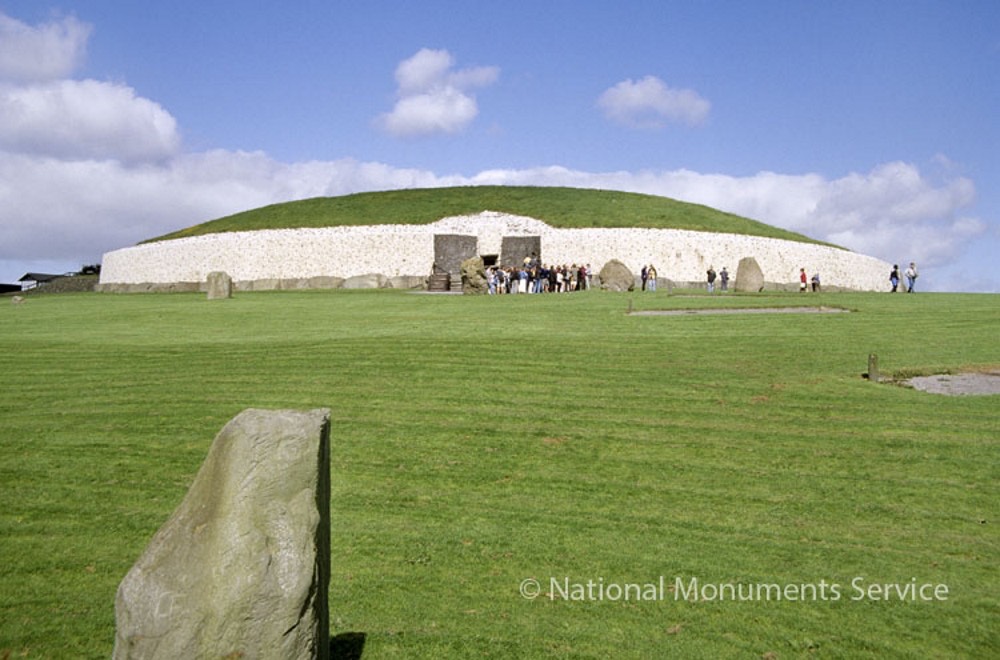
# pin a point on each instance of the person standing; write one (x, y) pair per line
(711, 279)
(724, 279)
(815, 282)
(911, 277)
(651, 276)
(894, 277)
(643, 275)
(802, 280)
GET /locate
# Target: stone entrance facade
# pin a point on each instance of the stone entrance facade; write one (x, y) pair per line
(450, 250)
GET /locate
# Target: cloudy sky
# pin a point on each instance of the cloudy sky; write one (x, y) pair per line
(872, 124)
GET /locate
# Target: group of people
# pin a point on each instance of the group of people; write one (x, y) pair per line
(911, 277)
(804, 281)
(722, 276)
(533, 277)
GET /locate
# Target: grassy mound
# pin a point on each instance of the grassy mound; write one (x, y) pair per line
(559, 207)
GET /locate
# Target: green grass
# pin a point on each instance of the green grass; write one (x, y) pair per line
(480, 441)
(559, 207)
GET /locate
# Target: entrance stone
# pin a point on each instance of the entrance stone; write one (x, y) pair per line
(474, 277)
(242, 566)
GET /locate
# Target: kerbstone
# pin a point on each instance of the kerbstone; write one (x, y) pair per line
(368, 281)
(615, 276)
(749, 276)
(220, 286)
(242, 566)
(407, 282)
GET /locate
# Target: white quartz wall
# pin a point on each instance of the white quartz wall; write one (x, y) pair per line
(394, 250)
(685, 256)
(275, 254)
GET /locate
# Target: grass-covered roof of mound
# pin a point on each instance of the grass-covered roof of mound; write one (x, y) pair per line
(558, 207)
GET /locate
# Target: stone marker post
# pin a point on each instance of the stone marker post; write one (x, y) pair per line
(873, 373)
(242, 566)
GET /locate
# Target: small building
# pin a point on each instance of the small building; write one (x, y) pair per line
(31, 280)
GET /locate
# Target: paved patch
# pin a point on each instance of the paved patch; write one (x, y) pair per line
(740, 310)
(958, 384)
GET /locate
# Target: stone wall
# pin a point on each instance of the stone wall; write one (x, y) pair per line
(407, 251)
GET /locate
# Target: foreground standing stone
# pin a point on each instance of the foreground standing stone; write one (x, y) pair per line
(242, 566)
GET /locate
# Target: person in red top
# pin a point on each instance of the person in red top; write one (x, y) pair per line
(802, 279)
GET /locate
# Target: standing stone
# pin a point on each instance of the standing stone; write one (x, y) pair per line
(474, 276)
(242, 566)
(220, 285)
(749, 277)
(615, 276)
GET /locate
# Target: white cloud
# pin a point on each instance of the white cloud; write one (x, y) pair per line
(425, 70)
(650, 103)
(76, 210)
(45, 114)
(85, 119)
(433, 98)
(46, 52)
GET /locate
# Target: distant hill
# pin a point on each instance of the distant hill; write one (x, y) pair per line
(558, 207)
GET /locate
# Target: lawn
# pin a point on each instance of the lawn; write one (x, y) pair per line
(486, 446)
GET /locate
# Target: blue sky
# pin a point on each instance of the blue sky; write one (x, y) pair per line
(871, 124)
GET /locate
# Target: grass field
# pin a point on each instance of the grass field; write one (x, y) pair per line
(480, 443)
(559, 207)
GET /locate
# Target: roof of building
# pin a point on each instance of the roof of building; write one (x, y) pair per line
(38, 277)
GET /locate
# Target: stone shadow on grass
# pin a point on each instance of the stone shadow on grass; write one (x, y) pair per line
(347, 646)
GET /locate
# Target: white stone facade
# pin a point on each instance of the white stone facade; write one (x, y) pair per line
(408, 250)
